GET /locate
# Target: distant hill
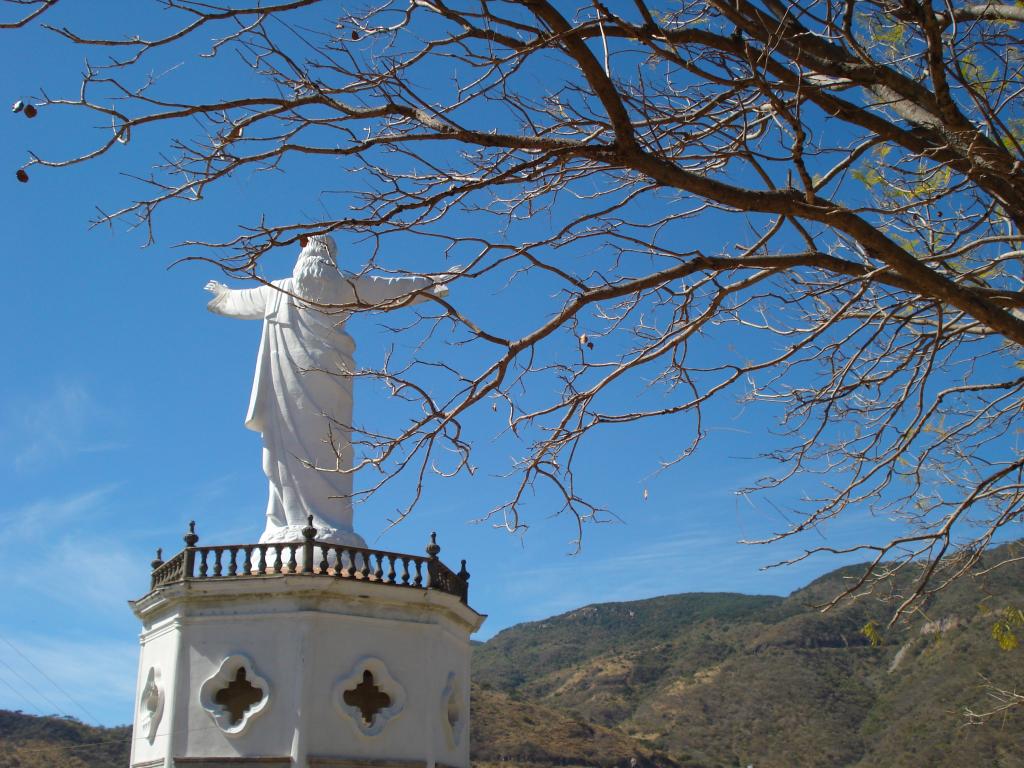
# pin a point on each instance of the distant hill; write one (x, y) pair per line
(730, 680)
(27, 741)
(709, 681)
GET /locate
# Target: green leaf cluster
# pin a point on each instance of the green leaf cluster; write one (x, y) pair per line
(1004, 629)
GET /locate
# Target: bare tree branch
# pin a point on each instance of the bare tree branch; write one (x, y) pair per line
(830, 191)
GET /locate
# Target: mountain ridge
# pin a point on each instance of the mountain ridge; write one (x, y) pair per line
(772, 682)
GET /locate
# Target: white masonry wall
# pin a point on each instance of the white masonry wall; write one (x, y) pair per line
(303, 640)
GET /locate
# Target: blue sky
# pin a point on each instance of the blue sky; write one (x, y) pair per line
(121, 420)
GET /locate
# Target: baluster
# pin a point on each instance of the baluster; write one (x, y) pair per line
(405, 571)
(391, 569)
(279, 560)
(365, 570)
(324, 565)
(351, 570)
(247, 563)
(262, 570)
(232, 565)
(418, 581)
(293, 565)
(218, 569)
(203, 569)
(378, 571)
(337, 562)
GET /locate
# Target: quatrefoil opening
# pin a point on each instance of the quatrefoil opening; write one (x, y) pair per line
(369, 696)
(453, 710)
(151, 704)
(235, 695)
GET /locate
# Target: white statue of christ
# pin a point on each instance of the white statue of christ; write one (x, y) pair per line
(301, 399)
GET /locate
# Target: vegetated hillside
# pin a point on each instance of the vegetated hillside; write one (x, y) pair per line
(518, 655)
(727, 680)
(516, 732)
(27, 741)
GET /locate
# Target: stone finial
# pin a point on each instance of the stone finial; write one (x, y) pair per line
(159, 560)
(191, 538)
(433, 548)
(463, 574)
(310, 530)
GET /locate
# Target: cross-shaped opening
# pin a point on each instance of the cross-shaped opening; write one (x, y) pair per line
(367, 698)
(238, 696)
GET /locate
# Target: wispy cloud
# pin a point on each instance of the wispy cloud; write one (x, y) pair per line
(64, 532)
(58, 424)
(100, 580)
(639, 571)
(702, 559)
(106, 576)
(67, 575)
(49, 515)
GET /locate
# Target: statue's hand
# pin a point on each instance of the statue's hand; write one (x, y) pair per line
(441, 279)
(217, 289)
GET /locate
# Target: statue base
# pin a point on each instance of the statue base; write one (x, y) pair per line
(294, 533)
(293, 661)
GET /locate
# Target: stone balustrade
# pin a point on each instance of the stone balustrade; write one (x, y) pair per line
(310, 557)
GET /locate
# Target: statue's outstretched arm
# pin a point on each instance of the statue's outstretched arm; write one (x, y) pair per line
(248, 304)
(388, 292)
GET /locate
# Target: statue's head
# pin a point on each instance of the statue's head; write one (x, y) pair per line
(318, 261)
(319, 246)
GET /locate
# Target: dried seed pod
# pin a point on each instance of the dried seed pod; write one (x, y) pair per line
(17, 106)
(30, 111)
(21, 175)
(355, 35)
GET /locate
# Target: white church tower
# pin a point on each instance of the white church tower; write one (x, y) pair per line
(311, 653)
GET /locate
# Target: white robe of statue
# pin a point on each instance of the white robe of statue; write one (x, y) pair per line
(301, 399)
